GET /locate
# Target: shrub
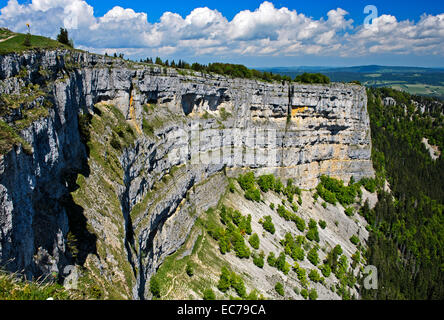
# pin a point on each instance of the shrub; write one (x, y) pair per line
(239, 246)
(268, 224)
(313, 257)
(231, 187)
(304, 293)
(209, 294)
(333, 190)
(238, 285)
(281, 263)
(272, 206)
(300, 223)
(189, 269)
(355, 240)
(266, 182)
(326, 270)
(313, 295)
(301, 273)
(254, 241)
(248, 228)
(224, 244)
(314, 275)
(349, 211)
(279, 289)
(298, 253)
(115, 143)
(290, 190)
(313, 235)
(322, 224)
(253, 195)
(246, 181)
(278, 186)
(271, 260)
(258, 260)
(368, 184)
(224, 280)
(312, 224)
(155, 287)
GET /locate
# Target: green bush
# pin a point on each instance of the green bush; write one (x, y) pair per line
(258, 260)
(281, 264)
(355, 240)
(278, 186)
(268, 225)
(298, 253)
(271, 260)
(291, 190)
(272, 206)
(326, 270)
(225, 280)
(155, 287)
(231, 187)
(266, 182)
(209, 294)
(304, 293)
(254, 241)
(369, 184)
(314, 275)
(313, 295)
(224, 244)
(238, 285)
(349, 211)
(189, 269)
(246, 181)
(239, 246)
(253, 195)
(322, 224)
(279, 289)
(333, 190)
(313, 235)
(313, 257)
(300, 223)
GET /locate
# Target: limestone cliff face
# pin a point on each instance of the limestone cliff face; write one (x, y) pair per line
(187, 127)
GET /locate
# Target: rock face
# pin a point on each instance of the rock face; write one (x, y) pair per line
(199, 125)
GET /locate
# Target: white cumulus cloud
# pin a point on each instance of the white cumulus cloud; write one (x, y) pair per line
(266, 31)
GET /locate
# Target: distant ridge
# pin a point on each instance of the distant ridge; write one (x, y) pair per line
(357, 69)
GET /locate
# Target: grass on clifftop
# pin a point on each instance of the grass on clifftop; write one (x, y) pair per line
(14, 288)
(9, 138)
(17, 40)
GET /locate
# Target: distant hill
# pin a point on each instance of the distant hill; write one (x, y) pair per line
(414, 80)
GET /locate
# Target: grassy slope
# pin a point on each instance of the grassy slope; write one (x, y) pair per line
(16, 43)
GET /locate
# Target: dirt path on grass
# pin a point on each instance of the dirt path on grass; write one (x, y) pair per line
(2, 40)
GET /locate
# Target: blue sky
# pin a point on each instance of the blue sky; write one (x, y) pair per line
(255, 33)
(402, 9)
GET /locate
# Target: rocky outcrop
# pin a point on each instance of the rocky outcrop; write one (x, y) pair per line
(188, 126)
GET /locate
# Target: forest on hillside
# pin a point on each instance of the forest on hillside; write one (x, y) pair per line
(407, 225)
